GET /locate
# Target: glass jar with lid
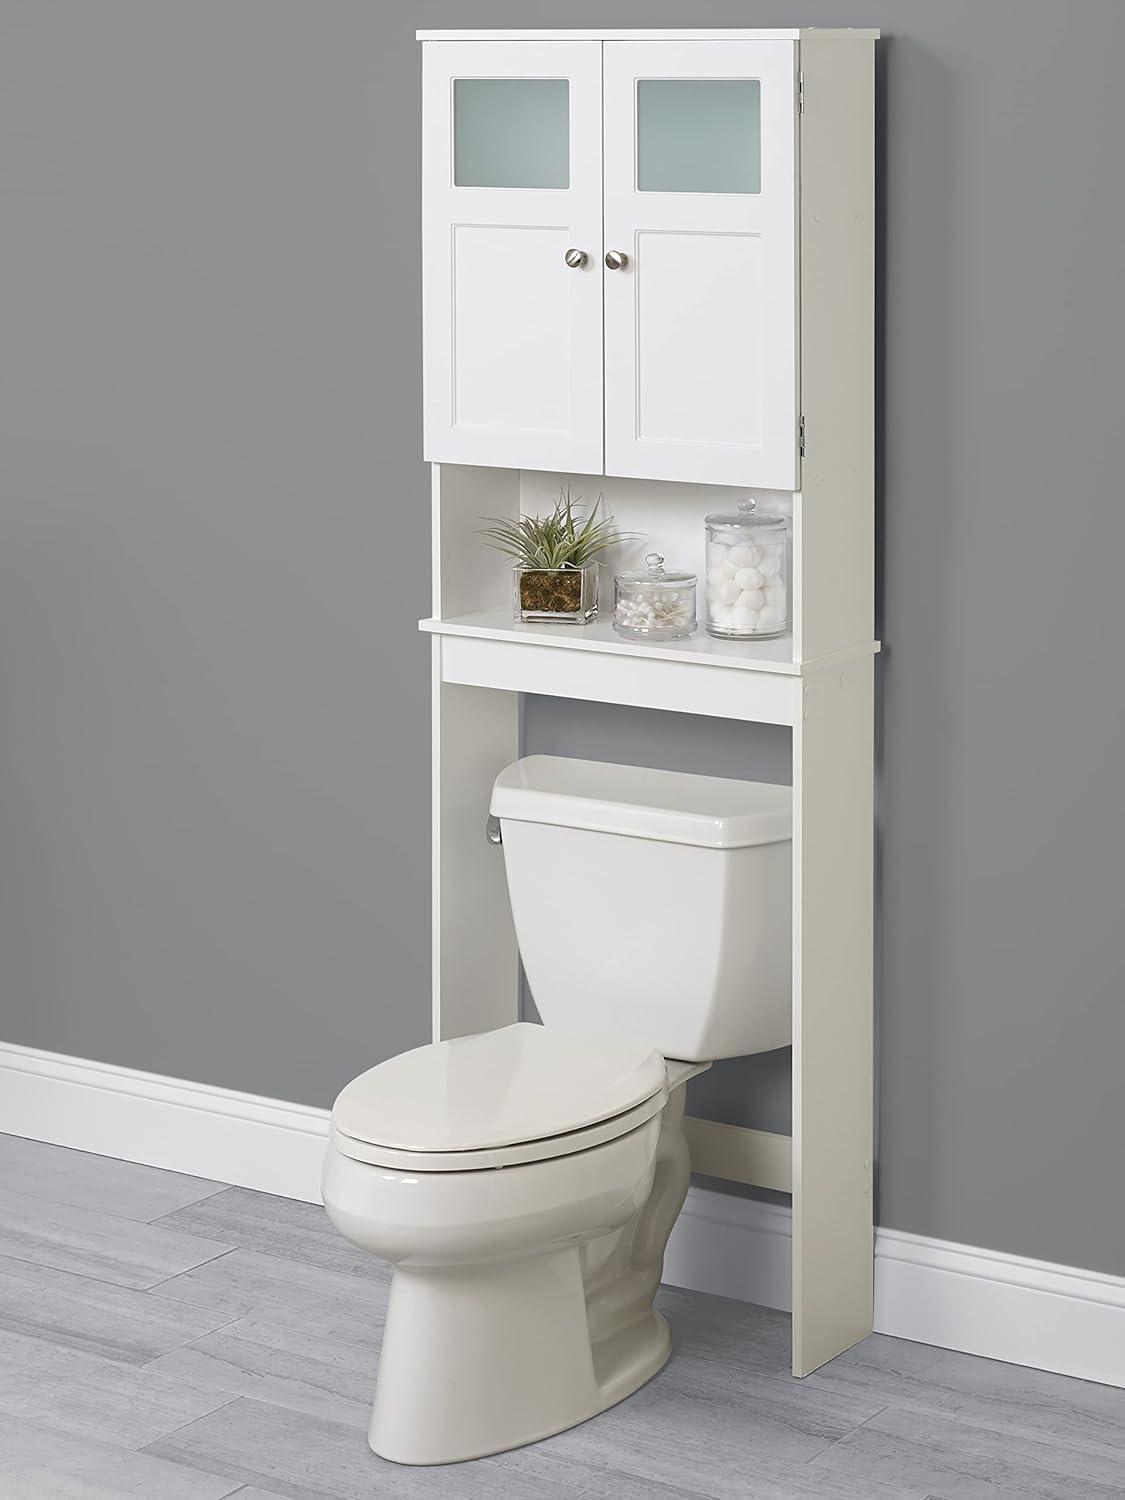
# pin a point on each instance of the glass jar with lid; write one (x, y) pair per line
(747, 574)
(652, 604)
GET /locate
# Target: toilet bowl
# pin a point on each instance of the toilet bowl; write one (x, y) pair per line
(523, 1182)
(524, 1269)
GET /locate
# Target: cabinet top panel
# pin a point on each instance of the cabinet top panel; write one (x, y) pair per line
(779, 34)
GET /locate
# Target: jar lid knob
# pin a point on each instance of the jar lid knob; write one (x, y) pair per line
(748, 506)
(655, 561)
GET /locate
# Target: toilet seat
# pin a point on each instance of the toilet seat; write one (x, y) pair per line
(522, 1154)
(521, 1094)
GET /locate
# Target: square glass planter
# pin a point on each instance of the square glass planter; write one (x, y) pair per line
(555, 596)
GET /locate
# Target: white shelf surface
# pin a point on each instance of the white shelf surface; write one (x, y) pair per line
(599, 635)
(752, 680)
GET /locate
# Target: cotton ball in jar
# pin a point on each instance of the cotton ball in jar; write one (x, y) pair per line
(775, 597)
(771, 562)
(770, 618)
(742, 556)
(722, 615)
(726, 592)
(749, 578)
(751, 599)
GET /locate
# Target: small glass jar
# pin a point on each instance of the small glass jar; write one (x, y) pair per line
(555, 596)
(747, 574)
(654, 605)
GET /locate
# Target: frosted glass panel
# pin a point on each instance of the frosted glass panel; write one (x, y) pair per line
(699, 135)
(511, 132)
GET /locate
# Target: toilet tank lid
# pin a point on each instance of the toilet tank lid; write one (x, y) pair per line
(711, 812)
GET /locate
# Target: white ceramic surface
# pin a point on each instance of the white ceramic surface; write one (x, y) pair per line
(684, 947)
(515, 1155)
(522, 1299)
(676, 807)
(500, 1088)
(522, 1295)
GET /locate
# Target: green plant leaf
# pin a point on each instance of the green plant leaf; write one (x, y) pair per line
(557, 540)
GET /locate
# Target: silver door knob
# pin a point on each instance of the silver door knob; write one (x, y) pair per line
(616, 260)
(576, 258)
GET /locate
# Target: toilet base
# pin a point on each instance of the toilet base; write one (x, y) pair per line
(479, 1363)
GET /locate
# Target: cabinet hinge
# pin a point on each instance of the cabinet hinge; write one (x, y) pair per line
(800, 93)
(801, 431)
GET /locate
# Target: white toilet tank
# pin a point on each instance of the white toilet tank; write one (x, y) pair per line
(651, 902)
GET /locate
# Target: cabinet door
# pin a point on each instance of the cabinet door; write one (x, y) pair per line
(512, 180)
(701, 321)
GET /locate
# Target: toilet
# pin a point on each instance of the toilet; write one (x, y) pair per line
(523, 1182)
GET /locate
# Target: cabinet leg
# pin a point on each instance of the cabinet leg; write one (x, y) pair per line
(832, 1014)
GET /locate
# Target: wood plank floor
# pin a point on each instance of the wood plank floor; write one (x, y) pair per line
(170, 1338)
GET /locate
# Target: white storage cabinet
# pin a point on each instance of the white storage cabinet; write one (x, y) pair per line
(617, 223)
(649, 257)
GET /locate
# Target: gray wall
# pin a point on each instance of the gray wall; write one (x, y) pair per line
(213, 536)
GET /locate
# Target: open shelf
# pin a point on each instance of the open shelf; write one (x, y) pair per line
(756, 681)
(599, 635)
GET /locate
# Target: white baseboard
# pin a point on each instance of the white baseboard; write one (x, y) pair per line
(1006, 1307)
(734, 1247)
(1001, 1306)
(164, 1122)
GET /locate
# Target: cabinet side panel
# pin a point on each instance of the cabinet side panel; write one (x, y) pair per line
(834, 529)
(833, 862)
(475, 971)
(468, 575)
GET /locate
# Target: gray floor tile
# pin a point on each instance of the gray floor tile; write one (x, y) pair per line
(110, 1476)
(689, 1426)
(303, 1457)
(273, 1226)
(307, 1299)
(584, 1479)
(97, 1245)
(128, 1406)
(113, 1322)
(27, 1362)
(256, 1367)
(947, 1457)
(752, 1338)
(282, 1366)
(883, 1358)
(37, 1464)
(21, 1444)
(1004, 1398)
(753, 1478)
(121, 1188)
(1011, 1396)
(250, 1492)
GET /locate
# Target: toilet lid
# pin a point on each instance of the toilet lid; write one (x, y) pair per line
(523, 1154)
(500, 1088)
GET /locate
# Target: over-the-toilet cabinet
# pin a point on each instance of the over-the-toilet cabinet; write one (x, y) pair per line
(649, 256)
(610, 258)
